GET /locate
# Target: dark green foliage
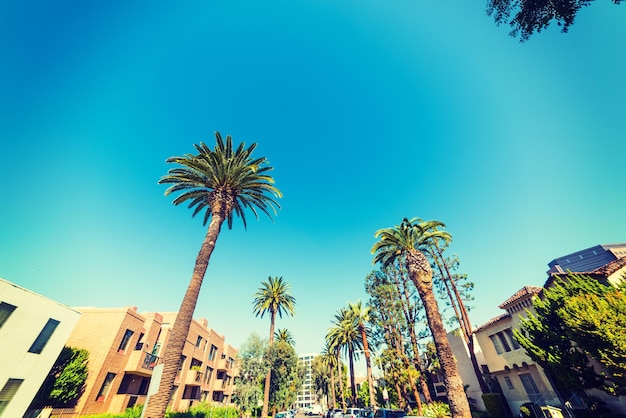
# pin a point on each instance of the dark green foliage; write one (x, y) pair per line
(494, 404)
(283, 362)
(596, 324)
(66, 380)
(550, 342)
(529, 17)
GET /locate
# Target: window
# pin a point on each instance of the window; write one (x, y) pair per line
(8, 392)
(209, 374)
(508, 382)
(198, 341)
(514, 343)
(530, 386)
(503, 340)
(6, 310)
(125, 341)
(496, 343)
(44, 336)
(139, 344)
(212, 352)
(106, 387)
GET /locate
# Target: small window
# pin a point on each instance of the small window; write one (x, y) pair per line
(8, 392)
(508, 382)
(496, 344)
(212, 352)
(106, 387)
(514, 343)
(6, 309)
(199, 341)
(44, 336)
(127, 335)
(139, 344)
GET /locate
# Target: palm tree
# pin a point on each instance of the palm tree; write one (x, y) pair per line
(329, 360)
(360, 314)
(346, 337)
(409, 240)
(285, 336)
(222, 182)
(273, 297)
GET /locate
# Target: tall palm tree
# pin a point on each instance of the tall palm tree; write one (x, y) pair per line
(346, 337)
(273, 297)
(285, 336)
(360, 314)
(329, 360)
(220, 182)
(409, 239)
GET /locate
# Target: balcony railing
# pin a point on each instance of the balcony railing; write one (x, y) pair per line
(149, 361)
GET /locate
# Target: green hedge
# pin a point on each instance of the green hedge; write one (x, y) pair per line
(201, 410)
(494, 404)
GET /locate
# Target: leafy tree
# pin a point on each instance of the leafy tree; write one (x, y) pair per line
(285, 378)
(65, 382)
(364, 394)
(322, 378)
(409, 240)
(548, 341)
(252, 370)
(273, 297)
(529, 17)
(220, 182)
(596, 325)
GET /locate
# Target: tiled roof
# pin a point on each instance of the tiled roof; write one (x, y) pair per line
(610, 268)
(524, 292)
(492, 321)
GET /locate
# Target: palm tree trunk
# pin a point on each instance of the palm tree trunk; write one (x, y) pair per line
(332, 387)
(368, 366)
(157, 403)
(463, 318)
(268, 376)
(421, 275)
(340, 372)
(417, 361)
(352, 384)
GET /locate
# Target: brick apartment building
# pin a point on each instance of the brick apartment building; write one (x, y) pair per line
(124, 347)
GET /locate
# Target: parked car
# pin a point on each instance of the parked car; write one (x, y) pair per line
(389, 413)
(336, 413)
(352, 413)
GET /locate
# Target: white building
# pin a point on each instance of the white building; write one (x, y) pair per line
(307, 397)
(33, 330)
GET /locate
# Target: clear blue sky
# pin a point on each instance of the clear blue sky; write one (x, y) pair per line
(369, 111)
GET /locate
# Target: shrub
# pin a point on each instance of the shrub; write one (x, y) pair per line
(436, 410)
(495, 405)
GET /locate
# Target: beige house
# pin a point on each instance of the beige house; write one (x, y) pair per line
(124, 348)
(520, 379)
(33, 331)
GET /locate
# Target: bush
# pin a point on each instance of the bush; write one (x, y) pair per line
(495, 405)
(436, 410)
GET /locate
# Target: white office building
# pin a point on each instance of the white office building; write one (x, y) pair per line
(307, 397)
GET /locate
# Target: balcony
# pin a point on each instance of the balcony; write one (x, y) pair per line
(141, 362)
(194, 378)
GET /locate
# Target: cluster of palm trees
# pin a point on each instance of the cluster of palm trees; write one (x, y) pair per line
(348, 336)
(223, 181)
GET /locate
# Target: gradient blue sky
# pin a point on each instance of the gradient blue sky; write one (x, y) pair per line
(369, 111)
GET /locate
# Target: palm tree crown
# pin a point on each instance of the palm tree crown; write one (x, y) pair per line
(284, 335)
(223, 181)
(273, 296)
(410, 235)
